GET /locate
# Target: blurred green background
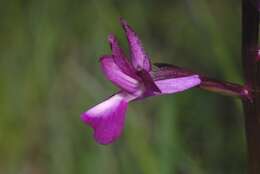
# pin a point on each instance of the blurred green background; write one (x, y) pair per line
(49, 75)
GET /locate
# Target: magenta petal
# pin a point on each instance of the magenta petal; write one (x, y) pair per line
(140, 59)
(167, 71)
(149, 84)
(117, 76)
(119, 57)
(174, 85)
(107, 118)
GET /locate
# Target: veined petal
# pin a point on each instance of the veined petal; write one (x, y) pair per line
(149, 84)
(140, 59)
(117, 76)
(167, 71)
(168, 86)
(107, 118)
(119, 56)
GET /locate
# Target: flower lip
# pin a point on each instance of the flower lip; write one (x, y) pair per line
(107, 118)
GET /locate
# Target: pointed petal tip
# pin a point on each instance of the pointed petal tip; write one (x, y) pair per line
(125, 25)
(122, 21)
(102, 58)
(111, 38)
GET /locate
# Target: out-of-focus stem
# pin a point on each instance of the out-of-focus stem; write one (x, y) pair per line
(250, 22)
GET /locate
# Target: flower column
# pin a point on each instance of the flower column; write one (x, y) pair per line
(250, 22)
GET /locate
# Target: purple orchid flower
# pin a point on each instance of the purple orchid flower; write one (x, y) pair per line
(135, 80)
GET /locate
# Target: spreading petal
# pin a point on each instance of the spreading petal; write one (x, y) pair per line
(168, 86)
(107, 118)
(117, 76)
(140, 59)
(168, 71)
(119, 57)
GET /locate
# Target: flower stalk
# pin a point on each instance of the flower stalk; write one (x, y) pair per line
(250, 29)
(207, 83)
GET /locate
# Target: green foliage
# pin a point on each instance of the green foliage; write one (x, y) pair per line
(49, 75)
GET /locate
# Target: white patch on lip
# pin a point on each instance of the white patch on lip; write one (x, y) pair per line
(106, 106)
(110, 104)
